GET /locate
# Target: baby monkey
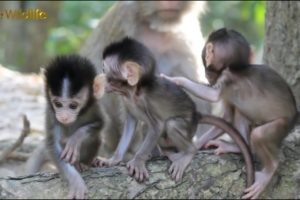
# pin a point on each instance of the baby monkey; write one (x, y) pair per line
(73, 118)
(256, 99)
(169, 112)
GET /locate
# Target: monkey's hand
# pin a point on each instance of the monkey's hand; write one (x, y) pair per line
(137, 168)
(78, 188)
(176, 79)
(71, 152)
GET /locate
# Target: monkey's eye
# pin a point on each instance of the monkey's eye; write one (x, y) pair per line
(73, 105)
(57, 104)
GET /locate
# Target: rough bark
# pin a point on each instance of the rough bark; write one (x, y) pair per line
(282, 47)
(208, 176)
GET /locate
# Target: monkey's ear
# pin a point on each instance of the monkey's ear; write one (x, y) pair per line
(132, 72)
(209, 53)
(99, 86)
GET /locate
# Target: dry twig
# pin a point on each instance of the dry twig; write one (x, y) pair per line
(25, 132)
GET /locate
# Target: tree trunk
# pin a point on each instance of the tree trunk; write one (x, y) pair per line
(208, 176)
(24, 40)
(282, 42)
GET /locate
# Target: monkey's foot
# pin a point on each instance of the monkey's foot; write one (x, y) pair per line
(78, 188)
(113, 161)
(223, 147)
(262, 179)
(80, 167)
(179, 163)
(98, 162)
(137, 168)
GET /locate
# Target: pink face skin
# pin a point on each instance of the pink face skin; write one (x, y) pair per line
(66, 108)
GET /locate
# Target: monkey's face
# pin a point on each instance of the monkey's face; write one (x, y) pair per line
(165, 11)
(67, 109)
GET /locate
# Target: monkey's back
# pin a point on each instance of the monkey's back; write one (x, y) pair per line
(169, 100)
(262, 94)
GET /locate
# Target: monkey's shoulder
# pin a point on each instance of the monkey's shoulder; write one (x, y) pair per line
(170, 95)
(170, 89)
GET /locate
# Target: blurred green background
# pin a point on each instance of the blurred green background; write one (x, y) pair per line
(72, 22)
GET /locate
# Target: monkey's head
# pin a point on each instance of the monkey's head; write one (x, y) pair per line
(161, 13)
(225, 49)
(127, 65)
(68, 86)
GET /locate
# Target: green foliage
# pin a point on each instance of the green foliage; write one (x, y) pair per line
(247, 17)
(76, 21)
(78, 18)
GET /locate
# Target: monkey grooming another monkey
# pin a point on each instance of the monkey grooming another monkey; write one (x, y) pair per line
(171, 30)
(168, 111)
(73, 118)
(257, 101)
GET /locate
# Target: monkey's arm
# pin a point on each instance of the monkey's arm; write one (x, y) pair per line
(71, 152)
(200, 90)
(126, 138)
(76, 183)
(215, 132)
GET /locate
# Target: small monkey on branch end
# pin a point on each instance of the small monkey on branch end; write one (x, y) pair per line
(73, 118)
(257, 100)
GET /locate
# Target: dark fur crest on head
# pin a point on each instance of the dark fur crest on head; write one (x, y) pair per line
(129, 49)
(78, 70)
(239, 58)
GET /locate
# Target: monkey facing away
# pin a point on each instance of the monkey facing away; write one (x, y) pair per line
(168, 111)
(73, 118)
(256, 99)
(170, 29)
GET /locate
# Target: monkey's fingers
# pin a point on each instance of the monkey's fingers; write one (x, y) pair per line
(76, 155)
(175, 172)
(98, 162)
(212, 143)
(68, 156)
(130, 169)
(252, 192)
(78, 190)
(64, 153)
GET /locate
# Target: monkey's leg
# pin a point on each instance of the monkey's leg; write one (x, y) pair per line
(242, 124)
(88, 151)
(137, 166)
(265, 141)
(215, 132)
(38, 158)
(178, 131)
(124, 143)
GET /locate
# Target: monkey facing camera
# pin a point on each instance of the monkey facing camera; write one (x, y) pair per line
(73, 118)
(167, 110)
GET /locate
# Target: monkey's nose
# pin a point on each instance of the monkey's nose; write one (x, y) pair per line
(64, 119)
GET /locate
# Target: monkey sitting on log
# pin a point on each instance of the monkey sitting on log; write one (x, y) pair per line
(257, 100)
(168, 111)
(171, 30)
(73, 118)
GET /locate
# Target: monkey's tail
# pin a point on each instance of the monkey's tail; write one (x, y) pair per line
(238, 139)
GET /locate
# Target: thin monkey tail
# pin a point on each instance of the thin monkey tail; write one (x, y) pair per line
(237, 138)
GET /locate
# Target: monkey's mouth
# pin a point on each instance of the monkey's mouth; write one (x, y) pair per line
(66, 122)
(168, 14)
